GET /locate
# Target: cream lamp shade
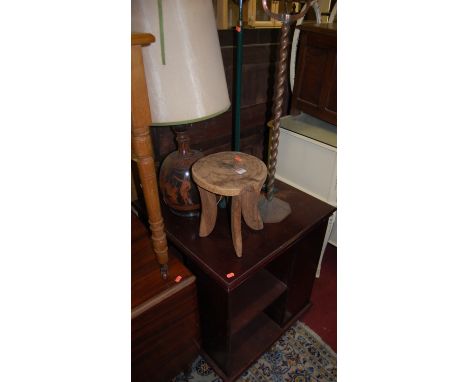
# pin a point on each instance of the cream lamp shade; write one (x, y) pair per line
(184, 68)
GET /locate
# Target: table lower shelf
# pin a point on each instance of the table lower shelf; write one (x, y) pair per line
(251, 343)
(252, 297)
(247, 346)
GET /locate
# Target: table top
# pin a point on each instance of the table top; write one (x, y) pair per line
(229, 172)
(215, 253)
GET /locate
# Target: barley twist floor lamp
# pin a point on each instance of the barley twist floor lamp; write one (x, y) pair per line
(272, 209)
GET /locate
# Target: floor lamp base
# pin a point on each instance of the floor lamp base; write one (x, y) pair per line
(274, 210)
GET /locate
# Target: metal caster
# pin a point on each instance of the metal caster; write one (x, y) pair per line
(164, 271)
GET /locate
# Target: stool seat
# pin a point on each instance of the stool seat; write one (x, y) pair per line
(223, 173)
(230, 173)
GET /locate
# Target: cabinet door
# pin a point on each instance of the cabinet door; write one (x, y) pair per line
(313, 64)
(328, 93)
(315, 86)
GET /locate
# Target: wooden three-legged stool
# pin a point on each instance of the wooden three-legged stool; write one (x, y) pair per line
(235, 174)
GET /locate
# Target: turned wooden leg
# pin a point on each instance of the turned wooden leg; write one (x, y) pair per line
(142, 147)
(250, 212)
(209, 212)
(236, 206)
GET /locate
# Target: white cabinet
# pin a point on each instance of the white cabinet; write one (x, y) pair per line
(307, 161)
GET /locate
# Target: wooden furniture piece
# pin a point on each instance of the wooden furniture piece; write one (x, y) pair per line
(315, 84)
(165, 329)
(247, 303)
(143, 149)
(233, 174)
(165, 323)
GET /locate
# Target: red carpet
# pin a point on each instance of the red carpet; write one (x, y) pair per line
(321, 317)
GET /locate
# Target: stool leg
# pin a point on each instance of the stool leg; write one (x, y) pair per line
(250, 212)
(236, 206)
(209, 212)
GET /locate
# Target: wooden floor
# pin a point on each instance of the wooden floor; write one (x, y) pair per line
(321, 317)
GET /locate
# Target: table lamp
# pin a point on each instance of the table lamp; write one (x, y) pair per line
(186, 84)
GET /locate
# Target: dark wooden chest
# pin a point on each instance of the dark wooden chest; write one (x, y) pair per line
(165, 322)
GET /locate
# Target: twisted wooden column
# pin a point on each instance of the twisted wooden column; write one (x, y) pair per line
(280, 80)
(143, 150)
(273, 209)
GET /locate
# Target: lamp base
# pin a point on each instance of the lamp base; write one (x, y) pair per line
(274, 210)
(179, 192)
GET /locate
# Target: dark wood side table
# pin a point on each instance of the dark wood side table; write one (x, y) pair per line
(241, 316)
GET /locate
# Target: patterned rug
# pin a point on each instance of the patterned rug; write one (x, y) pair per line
(299, 355)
